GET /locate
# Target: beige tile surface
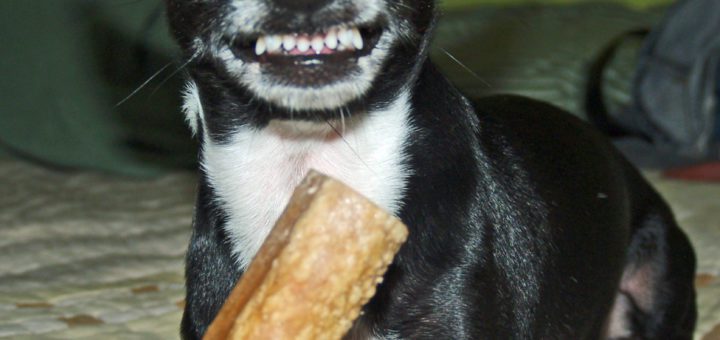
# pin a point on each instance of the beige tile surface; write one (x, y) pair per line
(87, 256)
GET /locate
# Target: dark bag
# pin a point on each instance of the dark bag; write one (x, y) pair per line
(676, 87)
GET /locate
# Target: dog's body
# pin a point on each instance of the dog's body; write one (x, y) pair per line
(524, 223)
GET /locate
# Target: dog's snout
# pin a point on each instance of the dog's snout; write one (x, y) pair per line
(302, 5)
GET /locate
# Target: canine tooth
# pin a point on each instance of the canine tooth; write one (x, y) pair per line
(288, 42)
(318, 44)
(273, 43)
(260, 46)
(303, 44)
(357, 39)
(346, 37)
(331, 39)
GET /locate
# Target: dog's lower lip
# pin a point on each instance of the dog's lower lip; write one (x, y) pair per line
(307, 61)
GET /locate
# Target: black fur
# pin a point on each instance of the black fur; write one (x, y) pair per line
(524, 222)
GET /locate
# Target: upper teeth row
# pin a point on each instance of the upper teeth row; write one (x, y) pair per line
(334, 39)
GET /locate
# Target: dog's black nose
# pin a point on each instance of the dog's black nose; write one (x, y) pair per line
(302, 5)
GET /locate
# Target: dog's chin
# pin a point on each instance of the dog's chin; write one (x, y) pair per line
(309, 72)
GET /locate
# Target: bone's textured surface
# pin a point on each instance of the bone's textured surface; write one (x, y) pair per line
(319, 266)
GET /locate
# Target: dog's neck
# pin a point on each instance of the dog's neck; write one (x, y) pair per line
(254, 173)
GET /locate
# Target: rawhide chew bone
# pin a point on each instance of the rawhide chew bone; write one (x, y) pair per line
(320, 264)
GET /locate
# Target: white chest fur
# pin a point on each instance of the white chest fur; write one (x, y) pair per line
(255, 173)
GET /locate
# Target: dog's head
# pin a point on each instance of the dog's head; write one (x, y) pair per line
(303, 59)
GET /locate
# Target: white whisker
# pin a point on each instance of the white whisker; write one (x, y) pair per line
(142, 86)
(465, 67)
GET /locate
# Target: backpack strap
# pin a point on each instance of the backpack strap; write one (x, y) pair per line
(595, 106)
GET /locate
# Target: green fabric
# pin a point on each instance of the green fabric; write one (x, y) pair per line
(532, 51)
(66, 64)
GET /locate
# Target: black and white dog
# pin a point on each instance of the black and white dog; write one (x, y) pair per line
(524, 223)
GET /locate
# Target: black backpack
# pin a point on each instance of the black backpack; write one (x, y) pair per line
(676, 87)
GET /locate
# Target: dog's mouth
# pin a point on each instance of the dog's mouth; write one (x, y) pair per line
(333, 44)
(308, 60)
(309, 69)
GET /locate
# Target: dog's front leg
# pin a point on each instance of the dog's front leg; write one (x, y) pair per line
(210, 271)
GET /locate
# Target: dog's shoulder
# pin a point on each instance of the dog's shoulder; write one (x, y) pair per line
(516, 109)
(536, 124)
(559, 150)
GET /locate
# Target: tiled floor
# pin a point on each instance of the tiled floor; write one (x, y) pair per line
(87, 256)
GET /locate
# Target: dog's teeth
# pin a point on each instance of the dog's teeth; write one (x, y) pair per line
(273, 43)
(260, 46)
(303, 44)
(288, 42)
(346, 37)
(357, 39)
(318, 44)
(340, 39)
(331, 39)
